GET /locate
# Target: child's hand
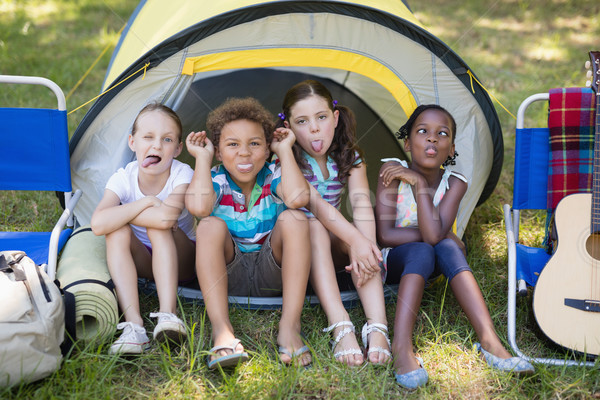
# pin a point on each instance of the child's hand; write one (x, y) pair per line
(397, 171)
(362, 277)
(200, 146)
(152, 201)
(282, 138)
(365, 257)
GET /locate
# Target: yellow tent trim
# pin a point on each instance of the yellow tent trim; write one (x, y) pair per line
(302, 57)
(151, 27)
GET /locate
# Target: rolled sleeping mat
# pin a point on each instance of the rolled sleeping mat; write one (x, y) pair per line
(82, 271)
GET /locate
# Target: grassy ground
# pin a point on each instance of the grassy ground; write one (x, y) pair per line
(516, 48)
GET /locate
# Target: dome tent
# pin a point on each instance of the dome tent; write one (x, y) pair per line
(373, 55)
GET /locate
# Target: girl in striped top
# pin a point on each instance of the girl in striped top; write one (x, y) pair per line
(327, 154)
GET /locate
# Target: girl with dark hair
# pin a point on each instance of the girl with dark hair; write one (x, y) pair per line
(331, 161)
(416, 207)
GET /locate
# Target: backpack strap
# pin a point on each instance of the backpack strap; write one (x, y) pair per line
(7, 266)
(3, 263)
(70, 320)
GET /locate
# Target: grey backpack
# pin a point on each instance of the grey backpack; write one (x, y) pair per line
(32, 320)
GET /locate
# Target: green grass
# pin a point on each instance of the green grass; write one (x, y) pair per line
(516, 48)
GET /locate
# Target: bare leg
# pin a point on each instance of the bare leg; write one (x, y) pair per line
(324, 282)
(211, 267)
(410, 293)
(122, 247)
(372, 300)
(471, 300)
(291, 249)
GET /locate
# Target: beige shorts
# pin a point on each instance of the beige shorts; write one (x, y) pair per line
(255, 273)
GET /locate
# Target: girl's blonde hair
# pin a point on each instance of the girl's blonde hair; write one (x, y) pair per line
(155, 106)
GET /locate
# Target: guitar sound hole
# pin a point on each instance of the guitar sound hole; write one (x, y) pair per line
(592, 245)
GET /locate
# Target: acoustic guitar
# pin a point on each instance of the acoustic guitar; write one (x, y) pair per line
(566, 299)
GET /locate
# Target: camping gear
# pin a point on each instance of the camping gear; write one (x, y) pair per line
(82, 271)
(537, 161)
(32, 320)
(374, 56)
(36, 158)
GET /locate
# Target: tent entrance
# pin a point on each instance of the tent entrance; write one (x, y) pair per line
(269, 87)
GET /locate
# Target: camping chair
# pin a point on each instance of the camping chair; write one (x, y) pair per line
(532, 190)
(36, 157)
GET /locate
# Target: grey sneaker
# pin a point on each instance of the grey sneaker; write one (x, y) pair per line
(168, 328)
(133, 340)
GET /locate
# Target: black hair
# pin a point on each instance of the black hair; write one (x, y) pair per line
(404, 131)
(234, 109)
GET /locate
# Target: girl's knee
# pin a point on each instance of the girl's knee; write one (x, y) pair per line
(450, 259)
(121, 236)
(447, 244)
(448, 248)
(423, 251)
(411, 258)
(160, 238)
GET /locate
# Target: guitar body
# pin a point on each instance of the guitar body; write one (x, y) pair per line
(573, 272)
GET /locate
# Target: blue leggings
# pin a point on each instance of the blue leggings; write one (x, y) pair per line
(426, 260)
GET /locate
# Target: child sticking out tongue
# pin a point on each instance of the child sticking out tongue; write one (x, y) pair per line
(150, 160)
(317, 145)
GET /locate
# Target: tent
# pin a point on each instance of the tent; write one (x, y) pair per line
(373, 55)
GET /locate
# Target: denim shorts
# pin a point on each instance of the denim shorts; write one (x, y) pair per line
(255, 273)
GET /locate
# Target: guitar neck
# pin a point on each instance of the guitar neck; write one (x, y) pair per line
(595, 223)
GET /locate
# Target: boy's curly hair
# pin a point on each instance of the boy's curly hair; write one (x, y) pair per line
(234, 109)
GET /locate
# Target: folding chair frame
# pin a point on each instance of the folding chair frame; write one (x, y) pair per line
(512, 220)
(70, 199)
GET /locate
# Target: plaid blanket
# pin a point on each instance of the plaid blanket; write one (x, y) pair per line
(571, 122)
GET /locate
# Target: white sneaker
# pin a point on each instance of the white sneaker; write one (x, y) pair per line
(133, 340)
(168, 328)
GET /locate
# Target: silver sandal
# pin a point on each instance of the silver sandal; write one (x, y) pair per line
(340, 336)
(367, 329)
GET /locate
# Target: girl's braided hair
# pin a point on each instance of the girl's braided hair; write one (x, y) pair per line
(404, 131)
